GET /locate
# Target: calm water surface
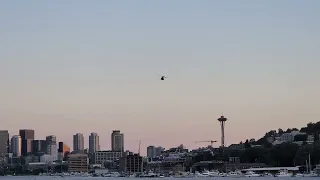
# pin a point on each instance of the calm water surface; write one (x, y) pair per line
(109, 178)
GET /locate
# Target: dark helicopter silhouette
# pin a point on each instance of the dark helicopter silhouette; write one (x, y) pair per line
(162, 77)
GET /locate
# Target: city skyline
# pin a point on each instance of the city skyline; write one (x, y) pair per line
(73, 66)
(143, 150)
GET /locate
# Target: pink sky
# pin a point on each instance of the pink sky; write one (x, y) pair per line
(76, 67)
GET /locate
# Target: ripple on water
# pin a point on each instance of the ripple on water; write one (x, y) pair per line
(110, 178)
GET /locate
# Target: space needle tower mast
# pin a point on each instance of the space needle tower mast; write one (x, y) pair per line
(222, 121)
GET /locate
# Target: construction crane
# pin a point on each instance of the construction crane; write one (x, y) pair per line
(210, 141)
(139, 148)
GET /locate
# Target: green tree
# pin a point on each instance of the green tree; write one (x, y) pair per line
(280, 131)
(300, 137)
(303, 154)
(247, 144)
(283, 154)
(288, 130)
(255, 155)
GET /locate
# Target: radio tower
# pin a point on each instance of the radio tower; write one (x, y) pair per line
(222, 121)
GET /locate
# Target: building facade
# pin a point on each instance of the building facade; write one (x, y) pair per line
(101, 157)
(63, 151)
(51, 141)
(39, 146)
(287, 137)
(78, 163)
(131, 163)
(151, 152)
(78, 143)
(117, 141)
(27, 136)
(4, 141)
(159, 150)
(16, 145)
(94, 143)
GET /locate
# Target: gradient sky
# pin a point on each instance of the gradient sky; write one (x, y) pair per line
(91, 66)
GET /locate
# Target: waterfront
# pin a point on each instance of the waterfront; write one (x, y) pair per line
(169, 178)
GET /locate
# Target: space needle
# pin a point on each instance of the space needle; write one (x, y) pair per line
(222, 121)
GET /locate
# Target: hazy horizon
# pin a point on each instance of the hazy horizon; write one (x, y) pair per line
(71, 67)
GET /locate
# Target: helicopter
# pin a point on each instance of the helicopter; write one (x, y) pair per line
(162, 77)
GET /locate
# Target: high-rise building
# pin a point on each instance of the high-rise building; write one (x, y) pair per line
(53, 149)
(51, 141)
(117, 141)
(4, 141)
(78, 143)
(151, 151)
(63, 147)
(159, 150)
(94, 143)
(63, 151)
(16, 144)
(39, 146)
(27, 135)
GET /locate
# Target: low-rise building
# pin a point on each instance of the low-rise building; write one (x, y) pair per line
(287, 137)
(236, 146)
(103, 156)
(131, 163)
(78, 163)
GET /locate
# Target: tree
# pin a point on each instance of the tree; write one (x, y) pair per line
(280, 131)
(303, 154)
(247, 144)
(300, 137)
(283, 154)
(264, 142)
(288, 130)
(316, 137)
(255, 155)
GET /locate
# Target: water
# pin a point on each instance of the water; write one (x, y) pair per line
(123, 178)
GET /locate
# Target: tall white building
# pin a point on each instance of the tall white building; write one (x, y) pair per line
(53, 151)
(117, 141)
(94, 143)
(16, 144)
(78, 143)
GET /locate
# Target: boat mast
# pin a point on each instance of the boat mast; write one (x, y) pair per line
(310, 167)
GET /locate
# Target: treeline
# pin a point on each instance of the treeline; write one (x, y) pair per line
(262, 151)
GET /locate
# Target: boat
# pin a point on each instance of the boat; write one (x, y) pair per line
(251, 174)
(268, 175)
(198, 174)
(283, 173)
(299, 175)
(223, 174)
(235, 174)
(150, 174)
(213, 173)
(311, 174)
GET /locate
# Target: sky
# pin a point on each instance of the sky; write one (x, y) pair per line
(81, 66)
